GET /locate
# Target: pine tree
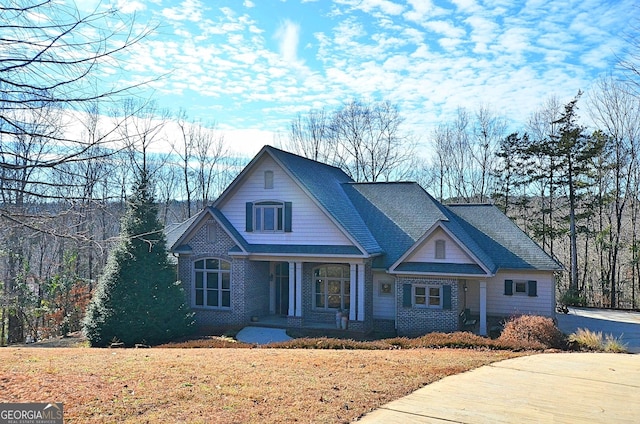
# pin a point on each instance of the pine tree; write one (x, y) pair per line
(138, 299)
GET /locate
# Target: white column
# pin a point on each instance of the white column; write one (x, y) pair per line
(352, 292)
(360, 316)
(298, 289)
(292, 288)
(483, 308)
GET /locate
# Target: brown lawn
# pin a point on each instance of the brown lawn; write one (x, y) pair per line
(225, 385)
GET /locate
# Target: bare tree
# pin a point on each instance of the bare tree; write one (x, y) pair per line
(309, 136)
(617, 114)
(50, 68)
(488, 131)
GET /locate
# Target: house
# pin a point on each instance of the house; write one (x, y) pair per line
(298, 239)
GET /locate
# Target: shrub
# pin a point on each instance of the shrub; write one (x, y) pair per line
(330, 343)
(585, 339)
(535, 331)
(572, 298)
(210, 342)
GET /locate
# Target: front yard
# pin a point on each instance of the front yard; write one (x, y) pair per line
(225, 385)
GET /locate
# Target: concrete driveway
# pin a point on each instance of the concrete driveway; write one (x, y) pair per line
(556, 388)
(624, 325)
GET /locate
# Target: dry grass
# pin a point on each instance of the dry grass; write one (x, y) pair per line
(585, 339)
(225, 385)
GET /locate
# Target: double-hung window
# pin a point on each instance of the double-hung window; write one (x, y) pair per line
(268, 216)
(212, 283)
(427, 296)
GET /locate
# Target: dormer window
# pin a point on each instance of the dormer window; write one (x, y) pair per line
(440, 249)
(268, 179)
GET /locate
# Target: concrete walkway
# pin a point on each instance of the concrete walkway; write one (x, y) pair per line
(262, 335)
(545, 388)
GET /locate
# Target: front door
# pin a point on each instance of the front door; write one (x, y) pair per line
(282, 288)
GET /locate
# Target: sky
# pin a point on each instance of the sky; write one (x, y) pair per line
(252, 65)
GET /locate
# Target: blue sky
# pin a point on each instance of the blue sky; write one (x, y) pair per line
(252, 65)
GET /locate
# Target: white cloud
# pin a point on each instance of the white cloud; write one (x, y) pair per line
(128, 6)
(288, 36)
(188, 10)
(445, 28)
(248, 4)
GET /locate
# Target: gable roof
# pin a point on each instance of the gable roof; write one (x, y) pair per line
(389, 220)
(501, 239)
(323, 184)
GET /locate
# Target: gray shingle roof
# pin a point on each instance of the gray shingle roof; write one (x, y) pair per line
(507, 245)
(398, 214)
(440, 268)
(324, 183)
(388, 219)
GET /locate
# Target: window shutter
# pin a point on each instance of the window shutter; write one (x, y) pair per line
(508, 287)
(533, 288)
(406, 295)
(446, 297)
(287, 217)
(249, 217)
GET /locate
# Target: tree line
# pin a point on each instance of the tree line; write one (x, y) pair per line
(574, 189)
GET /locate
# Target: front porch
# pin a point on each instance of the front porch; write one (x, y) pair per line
(309, 295)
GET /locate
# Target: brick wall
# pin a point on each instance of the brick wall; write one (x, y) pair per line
(414, 321)
(209, 240)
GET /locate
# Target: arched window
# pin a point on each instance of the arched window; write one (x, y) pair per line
(332, 287)
(212, 287)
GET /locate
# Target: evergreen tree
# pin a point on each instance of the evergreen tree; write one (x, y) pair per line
(137, 299)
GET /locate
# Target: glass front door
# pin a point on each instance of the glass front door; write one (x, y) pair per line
(282, 288)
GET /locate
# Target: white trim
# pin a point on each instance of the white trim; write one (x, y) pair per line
(427, 287)
(360, 313)
(253, 163)
(198, 223)
(440, 275)
(298, 309)
(352, 291)
(483, 308)
(292, 279)
(424, 237)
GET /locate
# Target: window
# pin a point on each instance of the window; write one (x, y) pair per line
(440, 249)
(521, 288)
(268, 216)
(332, 284)
(385, 288)
(212, 283)
(427, 296)
(268, 179)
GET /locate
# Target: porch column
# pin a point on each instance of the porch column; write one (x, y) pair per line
(483, 308)
(360, 316)
(298, 289)
(352, 292)
(292, 288)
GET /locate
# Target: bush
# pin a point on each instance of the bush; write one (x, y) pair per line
(572, 298)
(584, 339)
(211, 342)
(535, 331)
